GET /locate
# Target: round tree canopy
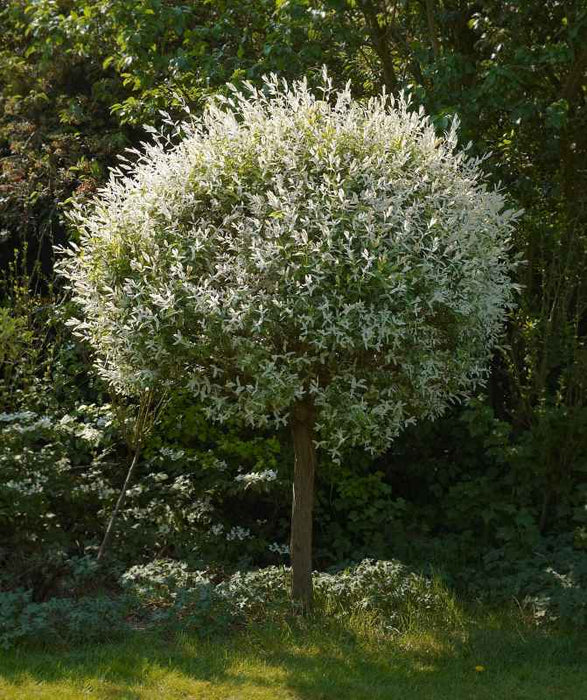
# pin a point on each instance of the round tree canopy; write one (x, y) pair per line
(298, 247)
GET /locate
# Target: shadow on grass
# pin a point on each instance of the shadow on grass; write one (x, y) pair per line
(435, 665)
(318, 660)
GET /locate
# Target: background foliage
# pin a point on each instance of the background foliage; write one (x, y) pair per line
(495, 493)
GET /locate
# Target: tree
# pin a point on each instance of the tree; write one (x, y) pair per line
(302, 260)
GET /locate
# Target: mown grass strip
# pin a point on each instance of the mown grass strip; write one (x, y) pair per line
(321, 659)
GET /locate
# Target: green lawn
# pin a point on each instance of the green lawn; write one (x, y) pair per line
(319, 659)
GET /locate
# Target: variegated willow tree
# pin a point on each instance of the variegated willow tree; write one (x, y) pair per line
(297, 258)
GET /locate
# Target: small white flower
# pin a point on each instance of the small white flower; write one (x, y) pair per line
(281, 549)
(265, 476)
(238, 533)
(170, 453)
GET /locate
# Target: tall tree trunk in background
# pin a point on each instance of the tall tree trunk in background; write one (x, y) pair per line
(302, 429)
(380, 43)
(432, 27)
(390, 40)
(573, 142)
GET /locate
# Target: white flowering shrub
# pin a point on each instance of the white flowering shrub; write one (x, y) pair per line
(55, 480)
(186, 503)
(297, 246)
(60, 474)
(205, 491)
(159, 582)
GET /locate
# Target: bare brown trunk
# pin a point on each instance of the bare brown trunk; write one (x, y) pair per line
(381, 45)
(302, 429)
(430, 14)
(118, 506)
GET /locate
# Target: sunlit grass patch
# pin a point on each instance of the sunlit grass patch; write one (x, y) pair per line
(469, 653)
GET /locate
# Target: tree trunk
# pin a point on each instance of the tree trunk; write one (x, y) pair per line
(302, 429)
(432, 28)
(380, 44)
(119, 504)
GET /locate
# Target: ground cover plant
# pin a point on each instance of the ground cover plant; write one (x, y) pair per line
(166, 595)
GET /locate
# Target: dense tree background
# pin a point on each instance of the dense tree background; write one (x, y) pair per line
(495, 481)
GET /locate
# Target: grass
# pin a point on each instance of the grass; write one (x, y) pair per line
(318, 659)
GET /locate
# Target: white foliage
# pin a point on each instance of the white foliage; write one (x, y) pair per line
(298, 246)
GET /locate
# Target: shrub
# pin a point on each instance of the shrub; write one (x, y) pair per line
(392, 595)
(60, 620)
(551, 581)
(54, 483)
(60, 475)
